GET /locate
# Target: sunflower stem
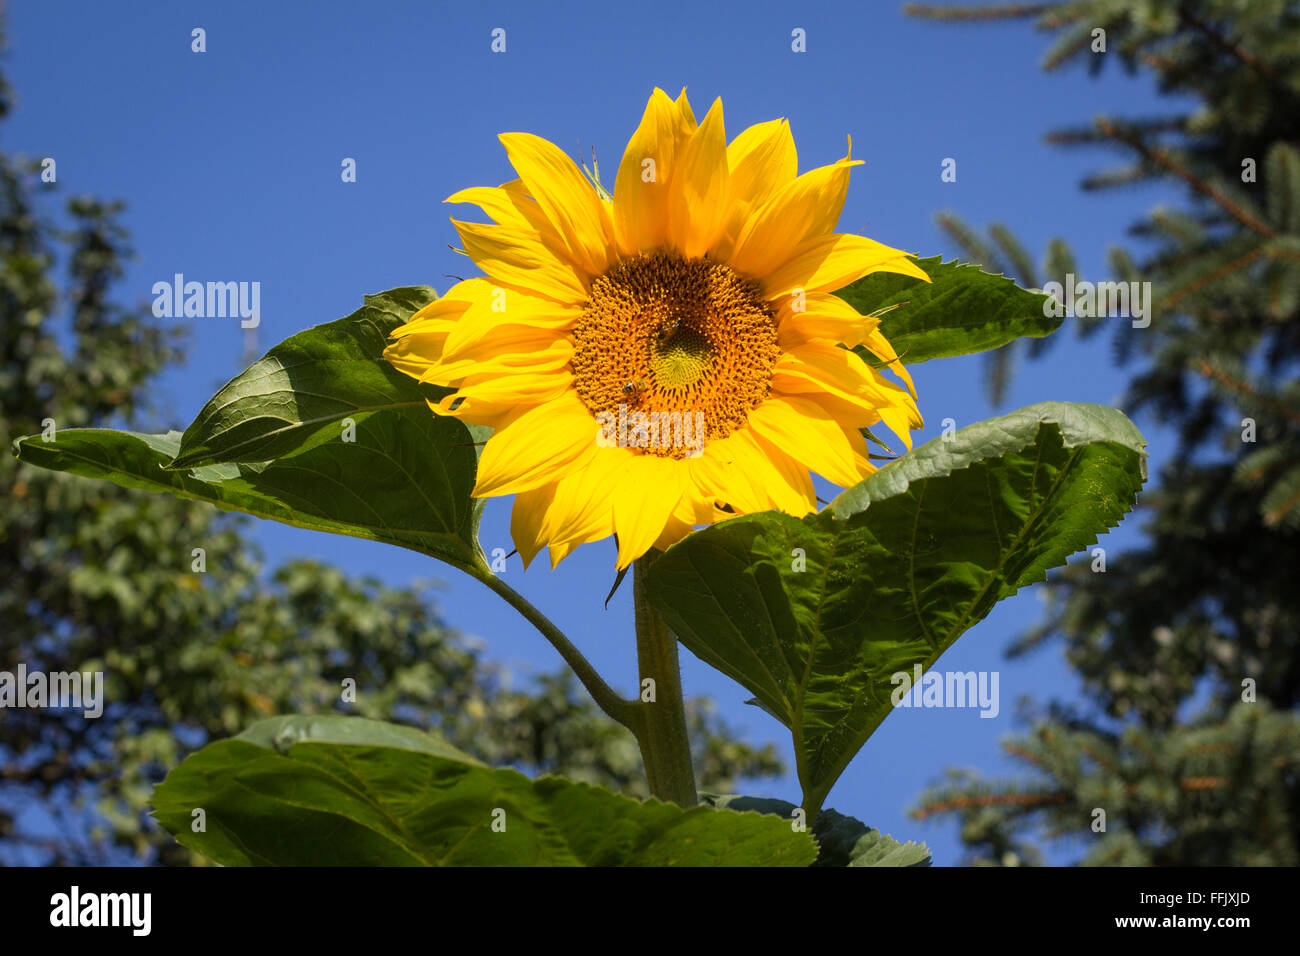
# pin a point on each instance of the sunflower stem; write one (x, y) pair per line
(607, 699)
(661, 729)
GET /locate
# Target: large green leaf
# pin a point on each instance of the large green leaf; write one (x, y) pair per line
(327, 791)
(961, 310)
(303, 388)
(404, 481)
(401, 475)
(816, 616)
(841, 840)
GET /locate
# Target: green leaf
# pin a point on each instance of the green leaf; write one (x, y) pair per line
(815, 616)
(303, 388)
(841, 840)
(324, 791)
(961, 310)
(281, 733)
(406, 480)
(272, 443)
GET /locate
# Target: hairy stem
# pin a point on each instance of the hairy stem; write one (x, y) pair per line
(661, 729)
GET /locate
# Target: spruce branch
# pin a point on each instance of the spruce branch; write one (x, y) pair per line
(925, 11)
(1289, 504)
(1227, 46)
(1161, 158)
(1217, 275)
(1241, 387)
(1021, 800)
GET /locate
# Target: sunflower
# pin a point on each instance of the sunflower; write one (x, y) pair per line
(666, 356)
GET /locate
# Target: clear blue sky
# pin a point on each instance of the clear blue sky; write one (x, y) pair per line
(230, 163)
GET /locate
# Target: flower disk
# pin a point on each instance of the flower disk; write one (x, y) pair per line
(668, 355)
(675, 336)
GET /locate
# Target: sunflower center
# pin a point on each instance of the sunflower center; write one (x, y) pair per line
(684, 343)
(679, 355)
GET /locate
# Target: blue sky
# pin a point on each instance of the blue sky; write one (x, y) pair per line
(230, 163)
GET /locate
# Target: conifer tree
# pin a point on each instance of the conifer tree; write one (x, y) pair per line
(1188, 644)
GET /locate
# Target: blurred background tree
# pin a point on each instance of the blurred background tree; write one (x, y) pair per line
(1187, 645)
(97, 578)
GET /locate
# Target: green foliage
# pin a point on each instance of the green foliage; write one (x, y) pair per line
(815, 616)
(311, 381)
(1214, 794)
(841, 840)
(419, 471)
(1183, 629)
(1003, 252)
(329, 791)
(963, 309)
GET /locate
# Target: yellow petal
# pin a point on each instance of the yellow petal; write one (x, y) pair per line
(645, 496)
(674, 531)
(829, 317)
(583, 509)
(566, 197)
(415, 354)
(530, 351)
(724, 473)
(509, 311)
(451, 306)
(785, 485)
(686, 115)
(761, 160)
(741, 471)
(489, 401)
(806, 208)
(788, 485)
(803, 430)
(509, 205)
(828, 262)
(823, 316)
(819, 370)
(861, 453)
(641, 187)
(527, 518)
(900, 422)
(516, 257)
(697, 201)
(537, 447)
(879, 346)
(559, 550)
(693, 509)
